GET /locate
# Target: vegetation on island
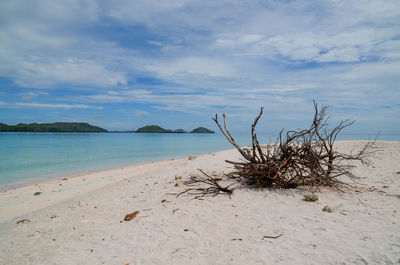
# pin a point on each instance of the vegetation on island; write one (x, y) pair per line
(152, 129)
(201, 130)
(51, 127)
(298, 158)
(85, 127)
(158, 129)
(180, 131)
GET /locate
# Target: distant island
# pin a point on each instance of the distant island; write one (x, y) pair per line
(158, 129)
(86, 127)
(153, 129)
(51, 127)
(201, 130)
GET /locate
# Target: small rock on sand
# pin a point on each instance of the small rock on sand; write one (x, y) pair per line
(310, 197)
(328, 209)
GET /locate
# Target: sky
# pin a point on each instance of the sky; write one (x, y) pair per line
(123, 64)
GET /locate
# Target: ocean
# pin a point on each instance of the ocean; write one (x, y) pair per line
(27, 157)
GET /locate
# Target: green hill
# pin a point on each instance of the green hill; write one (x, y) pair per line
(152, 129)
(51, 127)
(201, 130)
(3, 127)
(180, 131)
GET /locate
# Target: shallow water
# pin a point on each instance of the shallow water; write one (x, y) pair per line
(24, 156)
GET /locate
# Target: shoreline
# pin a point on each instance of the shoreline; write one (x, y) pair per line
(91, 176)
(25, 160)
(34, 181)
(106, 177)
(80, 219)
(37, 180)
(39, 184)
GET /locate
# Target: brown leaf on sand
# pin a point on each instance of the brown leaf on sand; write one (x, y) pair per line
(131, 216)
(37, 193)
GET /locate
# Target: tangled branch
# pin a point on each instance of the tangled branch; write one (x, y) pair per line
(213, 187)
(305, 157)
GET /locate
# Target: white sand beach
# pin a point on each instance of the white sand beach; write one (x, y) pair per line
(80, 219)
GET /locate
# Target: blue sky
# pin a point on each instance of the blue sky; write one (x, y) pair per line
(124, 64)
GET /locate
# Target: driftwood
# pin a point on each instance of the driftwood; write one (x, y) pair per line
(212, 188)
(305, 157)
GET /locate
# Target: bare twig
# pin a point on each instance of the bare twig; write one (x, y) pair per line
(213, 187)
(273, 237)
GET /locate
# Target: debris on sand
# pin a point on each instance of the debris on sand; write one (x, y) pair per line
(310, 198)
(328, 209)
(131, 216)
(24, 221)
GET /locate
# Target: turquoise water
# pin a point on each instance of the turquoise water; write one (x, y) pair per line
(30, 156)
(38, 156)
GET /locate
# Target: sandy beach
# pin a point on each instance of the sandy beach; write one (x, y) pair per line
(80, 219)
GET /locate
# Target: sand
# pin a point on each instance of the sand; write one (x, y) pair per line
(79, 219)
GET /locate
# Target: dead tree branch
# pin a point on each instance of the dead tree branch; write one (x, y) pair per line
(213, 187)
(305, 157)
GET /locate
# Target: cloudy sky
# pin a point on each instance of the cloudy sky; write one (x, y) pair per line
(122, 64)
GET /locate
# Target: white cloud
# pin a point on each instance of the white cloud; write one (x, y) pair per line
(41, 72)
(193, 66)
(30, 94)
(316, 31)
(378, 71)
(42, 45)
(319, 46)
(155, 43)
(55, 106)
(350, 54)
(46, 45)
(290, 87)
(251, 38)
(140, 114)
(175, 15)
(142, 11)
(234, 54)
